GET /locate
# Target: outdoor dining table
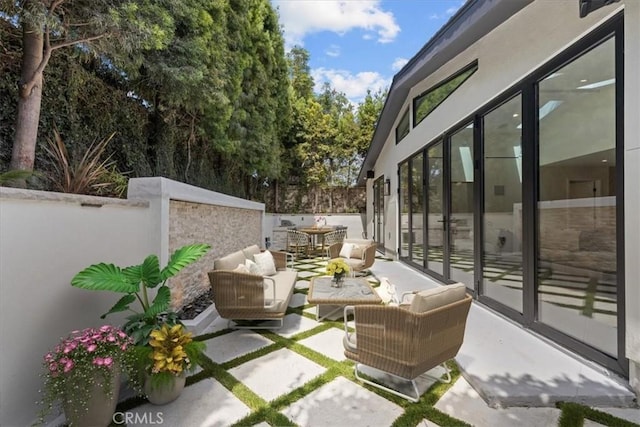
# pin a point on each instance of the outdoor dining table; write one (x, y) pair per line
(314, 232)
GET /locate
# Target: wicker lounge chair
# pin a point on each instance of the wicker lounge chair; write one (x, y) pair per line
(407, 341)
(334, 237)
(360, 259)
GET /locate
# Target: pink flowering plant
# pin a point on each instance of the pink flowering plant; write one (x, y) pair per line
(81, 360)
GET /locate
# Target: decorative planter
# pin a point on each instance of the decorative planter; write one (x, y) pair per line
(100, 407)
(202, 320)
(161, 394)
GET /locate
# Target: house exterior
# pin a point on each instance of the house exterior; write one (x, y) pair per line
(507, 157)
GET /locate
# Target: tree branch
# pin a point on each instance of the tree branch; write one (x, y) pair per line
(72, 42)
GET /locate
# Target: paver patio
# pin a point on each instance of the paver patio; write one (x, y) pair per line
(298, 375)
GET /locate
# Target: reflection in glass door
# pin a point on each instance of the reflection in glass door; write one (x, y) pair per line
(461, 233)
(404, 209)
(417, 210)
(502, 204)
(378, 211)
(435, 204)
(576, 229)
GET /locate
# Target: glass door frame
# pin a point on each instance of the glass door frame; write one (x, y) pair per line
(527, 88)
(378, 211)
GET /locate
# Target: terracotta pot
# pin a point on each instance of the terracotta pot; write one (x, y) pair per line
(166, 392)
(100, 407)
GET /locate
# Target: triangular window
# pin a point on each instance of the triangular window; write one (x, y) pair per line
(427, 101)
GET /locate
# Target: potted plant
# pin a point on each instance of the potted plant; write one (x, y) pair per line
(83, 372)
(164, 362)
(164, 351)
(134, 282)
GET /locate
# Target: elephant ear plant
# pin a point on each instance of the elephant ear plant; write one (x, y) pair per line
(134, 282)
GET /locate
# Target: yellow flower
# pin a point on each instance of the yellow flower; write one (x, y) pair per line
(337, 267)
(168, 349)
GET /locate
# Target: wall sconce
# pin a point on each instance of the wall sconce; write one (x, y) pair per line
(370, 174)
(387, 187)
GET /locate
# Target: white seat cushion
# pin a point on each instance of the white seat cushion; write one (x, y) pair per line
(229, 262)
(250, 251)
(438, 297)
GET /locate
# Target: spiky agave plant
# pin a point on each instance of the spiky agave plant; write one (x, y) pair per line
(134, 282)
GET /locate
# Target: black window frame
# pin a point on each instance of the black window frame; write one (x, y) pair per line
(402, 118)
(473, 67)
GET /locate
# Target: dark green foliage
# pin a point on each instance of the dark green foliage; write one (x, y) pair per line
(211, 99)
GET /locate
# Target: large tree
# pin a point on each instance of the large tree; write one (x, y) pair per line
(110, 27)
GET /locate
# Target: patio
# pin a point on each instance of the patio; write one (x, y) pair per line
(299, 375)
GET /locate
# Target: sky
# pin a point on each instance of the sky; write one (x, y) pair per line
(357, 45)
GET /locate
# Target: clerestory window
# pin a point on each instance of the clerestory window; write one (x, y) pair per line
(427, 101)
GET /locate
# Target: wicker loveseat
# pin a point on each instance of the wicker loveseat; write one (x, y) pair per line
(241, 295)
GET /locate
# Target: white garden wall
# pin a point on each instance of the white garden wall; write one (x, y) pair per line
(46, 238)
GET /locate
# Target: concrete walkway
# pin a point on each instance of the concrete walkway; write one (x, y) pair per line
(510, 366)
(300, 372)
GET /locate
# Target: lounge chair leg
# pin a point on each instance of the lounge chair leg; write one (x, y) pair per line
(236, 326)
(414, 399)
(446, 368)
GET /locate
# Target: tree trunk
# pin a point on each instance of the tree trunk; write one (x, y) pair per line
(28, 117)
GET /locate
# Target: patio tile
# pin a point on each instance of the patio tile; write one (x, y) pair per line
(329, 343)
(294, 324)
(235, 344)
(302, 284)
(305, 274)
(463, 402)
(298, 300)
(276, 373)
(427, 423)
(304, 266)
(629, 414)
(204, 404)
(423, 382)
(218, 324)
(343, 403)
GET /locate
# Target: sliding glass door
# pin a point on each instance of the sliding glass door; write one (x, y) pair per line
(461, 254)
(577, 214)
(502, 204)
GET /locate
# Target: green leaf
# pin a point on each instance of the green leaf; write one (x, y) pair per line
(121, 305)
(104, 277)
(183, 257)
(148, 272)
(160, 303)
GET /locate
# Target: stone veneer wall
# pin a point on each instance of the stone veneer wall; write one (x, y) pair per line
(226, 229)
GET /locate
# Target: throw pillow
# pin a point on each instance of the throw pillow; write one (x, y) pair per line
(266, 263)
(387, 292)
(252, 267)
(357, 252)
(345, 252)
(241, 268)
(438, 297)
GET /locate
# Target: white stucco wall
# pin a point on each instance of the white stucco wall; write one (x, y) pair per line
(632, 189)
(528, 40)
(45, 239)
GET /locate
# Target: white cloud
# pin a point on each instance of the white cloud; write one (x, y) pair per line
(449, 12)
(333, 50)
(398, 63)
(300, 18)
(354, 86)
